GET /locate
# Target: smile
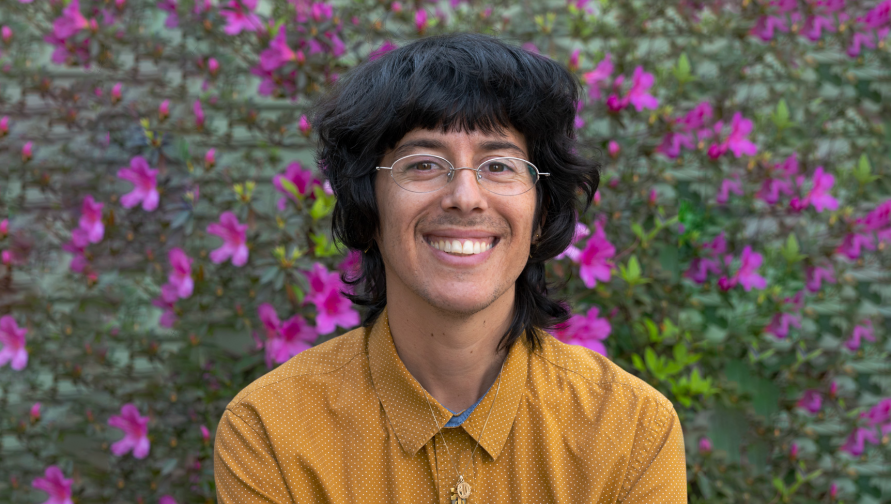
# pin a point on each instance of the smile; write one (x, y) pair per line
(461, 246)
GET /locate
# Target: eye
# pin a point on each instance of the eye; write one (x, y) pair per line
(501, 167)
(424, 166)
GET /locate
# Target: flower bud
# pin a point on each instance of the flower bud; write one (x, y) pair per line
(304, 126)
(35, 413)
(705, 445)
(210, 159)
(4, 126)
(164, 110)
(6, 34)
(213, 66)
(27, 152)
(116, 93)
(613, 148)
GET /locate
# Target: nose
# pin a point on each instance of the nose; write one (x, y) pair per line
(463, 193)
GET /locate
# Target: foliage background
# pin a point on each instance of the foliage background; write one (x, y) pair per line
(774, 391)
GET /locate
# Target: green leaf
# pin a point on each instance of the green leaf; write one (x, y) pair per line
(290, 187)
(781, 116)
(638, 362)
(863, 172)
(323, 205)
(268, 275)
(633, 268)
(790, 249)
(681, 70)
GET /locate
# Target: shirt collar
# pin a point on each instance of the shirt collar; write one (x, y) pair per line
(407, 409)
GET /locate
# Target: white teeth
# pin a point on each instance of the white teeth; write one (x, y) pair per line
(467, 247)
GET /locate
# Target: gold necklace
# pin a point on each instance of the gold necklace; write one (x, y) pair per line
(461, 491)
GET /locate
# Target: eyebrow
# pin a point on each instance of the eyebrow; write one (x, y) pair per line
(430, 143)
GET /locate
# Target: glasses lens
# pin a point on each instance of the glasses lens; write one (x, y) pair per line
(508, 176)
(421, 173)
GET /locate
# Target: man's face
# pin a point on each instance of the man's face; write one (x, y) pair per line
(415, 226)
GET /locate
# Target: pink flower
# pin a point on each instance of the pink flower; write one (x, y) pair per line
(747, 274)
(166, 301)
(239, 15)
(587, 330)
(167, 499)
(278, 52)
(169, 6)
(77, 246)
(613, 148)
(599, 77)
(199, 114)
(334, 309)
(210, 158)
(765, 26)
(572, 251)
(860, 331)
(594, 258)
(871, 28)
(850, 246)
(779, 325)
(811, 401)
(641, 82)
(855, 443)
(304, 180)
(351, 264)
(145, 184)
(727, 186)
(880, 416)
(833, 490)
(386, 47)
(793, 451)
(164, 110)
(55, 484)
(304, 126)
(5, 34)
(700, 267)
(116, 93)
(574, 60)
(780, 180)
(13, 339)
(4, 228)
(135, 429)
(34, 414)
(27, 151)
(685, 127)
(705, 445)
(71, 21)
(285, 340)
(819, 194)
(421, 20)
(213, 66)
(736, 141)
(4, 126)
(816, 275)
(180, 272)
(91, 219)
(205, 434)
(234, 237)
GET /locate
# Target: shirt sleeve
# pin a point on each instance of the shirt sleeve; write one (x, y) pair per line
(664, 479)
(245, 469)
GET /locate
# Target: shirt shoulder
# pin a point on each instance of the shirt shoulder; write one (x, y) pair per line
(581, 364)
(319, 360)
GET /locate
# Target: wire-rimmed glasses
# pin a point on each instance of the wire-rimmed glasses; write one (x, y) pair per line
(424, 173)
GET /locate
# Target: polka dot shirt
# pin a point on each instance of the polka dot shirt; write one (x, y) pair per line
(345, 422)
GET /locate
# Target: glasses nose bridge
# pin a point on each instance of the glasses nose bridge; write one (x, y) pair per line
(454, 171)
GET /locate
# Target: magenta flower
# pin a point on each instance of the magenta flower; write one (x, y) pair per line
(701, 266)
(4, 227)
(199, 114)
(880, 416)
(116, 93)
(731, 185)
(180, 272)
(780, 180)
(638, 96)
(167, 499)
(210, 158)
(736, 141)
(205, 433)
(779, 325)
(819, 194)
(573, 252)
(55, 484)
(27, 151)
(864, 331)
(856, 441)
(135, 429)
(4, 126)
(145, 184)
(278, 52)
(747, 273)
(574, 60)
(594, 258)
(239, 15)
(386, 47)
(234, 237)
(599, 77)
(705, 445)
(13, 339)
(304, 126)
(284, 340)
(213, 66)
(421, 20)
(871, 28)
(34, 413)
(77, 246)
(71, 21)
(91, 219)
(334, 309)
(852, 243)
(5, 34)
(811, 401)
(304, 180)
(613, 148)
(587, 330)
(166, 301)
(816, 275)
(169, 6)
(164, 110)
(351, 264)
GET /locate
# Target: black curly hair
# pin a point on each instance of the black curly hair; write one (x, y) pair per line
(456, 82)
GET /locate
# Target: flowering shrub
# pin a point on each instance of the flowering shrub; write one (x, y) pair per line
(165, 233)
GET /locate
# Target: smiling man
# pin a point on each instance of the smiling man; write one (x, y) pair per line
(455, 168)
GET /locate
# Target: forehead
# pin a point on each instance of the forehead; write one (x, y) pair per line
(510, 142)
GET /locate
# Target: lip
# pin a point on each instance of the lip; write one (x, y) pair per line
(467, 234)
(461, 260)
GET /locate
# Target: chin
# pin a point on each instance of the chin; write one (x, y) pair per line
(459, 302)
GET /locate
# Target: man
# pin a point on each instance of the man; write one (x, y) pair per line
(454, 164)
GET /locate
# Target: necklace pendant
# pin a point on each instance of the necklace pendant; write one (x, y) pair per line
(461, 492)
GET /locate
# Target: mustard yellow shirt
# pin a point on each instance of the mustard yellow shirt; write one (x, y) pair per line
(345, 422)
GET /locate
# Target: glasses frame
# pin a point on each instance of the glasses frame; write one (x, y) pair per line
(452, 170)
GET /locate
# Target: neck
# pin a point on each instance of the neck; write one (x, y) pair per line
(453, 356)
